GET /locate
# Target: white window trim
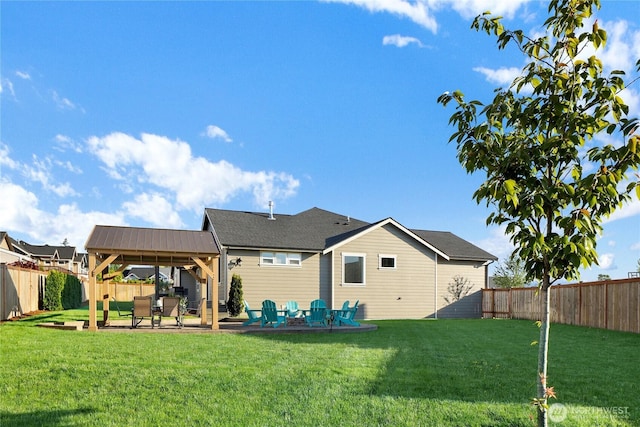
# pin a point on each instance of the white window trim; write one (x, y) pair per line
(364, 269)
(395, 261)
(288, 255)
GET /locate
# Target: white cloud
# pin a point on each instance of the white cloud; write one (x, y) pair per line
(64, 103)
(40, 172)
(6, 83)
(635, 247)
(194, 182)
(422, 11)
(5, 160)
(607, 261)
(417, 11)
(155, 209)
(64, 143)
(471, 8)
(19, 208)
(214, 132)
(497, 243)
(69, 166)
(400, 41)
(20, 213)
(23, 75)
(629, 209)
(501, 76)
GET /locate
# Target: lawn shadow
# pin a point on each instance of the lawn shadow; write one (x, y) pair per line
(56, 417)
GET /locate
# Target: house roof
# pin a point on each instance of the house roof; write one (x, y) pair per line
(454, 246)
(319, 230)
(311, 230)
(40, 251)
(151, 246)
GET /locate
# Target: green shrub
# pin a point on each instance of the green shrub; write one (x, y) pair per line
(62, 292)
(234, 304)
(71, 293)
(54, 284)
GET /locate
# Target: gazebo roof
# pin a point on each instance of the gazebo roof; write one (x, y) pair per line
(151, 246)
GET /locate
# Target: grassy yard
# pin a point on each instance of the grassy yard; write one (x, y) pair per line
(407, 373)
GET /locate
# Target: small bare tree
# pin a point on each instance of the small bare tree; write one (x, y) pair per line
(458, 289)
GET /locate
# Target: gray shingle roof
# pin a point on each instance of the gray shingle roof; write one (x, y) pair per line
(454, 246)
(307, 231)
(315, 230)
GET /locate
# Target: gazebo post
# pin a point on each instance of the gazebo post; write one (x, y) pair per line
(93, 324)
(214, 302)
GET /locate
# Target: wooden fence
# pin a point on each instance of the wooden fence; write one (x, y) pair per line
(611, 304)
(20, 290)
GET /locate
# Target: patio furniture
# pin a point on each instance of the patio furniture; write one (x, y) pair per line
(120, 313)
(254, 315)
(346, 316)
(317, 313)
(270, 315)
(171, 308)
(292, 309)
(142, 307)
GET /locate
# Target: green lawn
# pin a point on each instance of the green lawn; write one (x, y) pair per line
(407, 373)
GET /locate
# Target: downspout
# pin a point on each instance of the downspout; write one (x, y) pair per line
(436, 288)
(333, 281)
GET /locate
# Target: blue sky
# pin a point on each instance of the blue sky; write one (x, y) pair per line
(145, 113)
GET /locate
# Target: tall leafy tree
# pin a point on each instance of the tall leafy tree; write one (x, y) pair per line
(549, 180)
(511, 273)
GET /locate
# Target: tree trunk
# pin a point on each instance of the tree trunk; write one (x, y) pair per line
(543, 349)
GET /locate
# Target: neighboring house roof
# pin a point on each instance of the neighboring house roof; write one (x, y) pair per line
(40, 251)
(8, 241)
(67, 253)
(319, 230)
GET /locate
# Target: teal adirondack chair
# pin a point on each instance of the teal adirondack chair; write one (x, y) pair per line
(346, 315)
(317, 313)
(254, 315)
(292, 309)
(270, 315)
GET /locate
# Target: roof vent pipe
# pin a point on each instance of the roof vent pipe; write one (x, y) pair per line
(271, 210)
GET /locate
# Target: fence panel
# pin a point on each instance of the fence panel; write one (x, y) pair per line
(19, 290)
(611, 304)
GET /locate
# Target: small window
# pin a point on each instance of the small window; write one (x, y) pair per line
(280, 259)
(387, 262)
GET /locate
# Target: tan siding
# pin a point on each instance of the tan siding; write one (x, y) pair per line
(406, 292)
(277, 283)
(469, 306)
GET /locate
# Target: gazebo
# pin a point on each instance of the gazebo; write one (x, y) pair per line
(194, 250)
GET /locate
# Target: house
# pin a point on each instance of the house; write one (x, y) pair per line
(64, 258)
(394, 272)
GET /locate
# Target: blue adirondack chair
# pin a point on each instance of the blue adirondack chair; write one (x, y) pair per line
(346, 316)
(270, 315)
(254, 315)
(292, 309)
(317, 313)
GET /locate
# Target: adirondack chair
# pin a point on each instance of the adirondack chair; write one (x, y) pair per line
(270, 315)
(292, 309)
(171, 308)
(346, 316)
(317, 313)
(254, 315)
(142, 307)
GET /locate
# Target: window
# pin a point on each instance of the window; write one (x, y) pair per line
(281, 259)
(353, 269)
(386, 262)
